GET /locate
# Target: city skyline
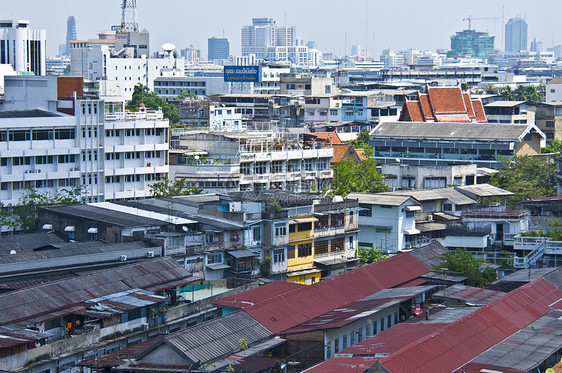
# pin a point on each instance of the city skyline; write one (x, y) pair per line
(440, 19)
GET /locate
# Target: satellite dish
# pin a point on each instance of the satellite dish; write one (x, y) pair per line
(168, 47)
(185, 229)
(12, 252)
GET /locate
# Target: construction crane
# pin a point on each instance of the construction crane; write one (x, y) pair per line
(470, 18)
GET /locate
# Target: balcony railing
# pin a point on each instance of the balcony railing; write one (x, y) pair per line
(496, 214)
(136, 115)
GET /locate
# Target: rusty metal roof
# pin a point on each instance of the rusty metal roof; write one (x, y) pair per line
(42, 301)
(463, 340)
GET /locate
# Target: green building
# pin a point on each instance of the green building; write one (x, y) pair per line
(471, 43)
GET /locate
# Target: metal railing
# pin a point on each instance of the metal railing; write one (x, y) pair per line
(530, 258)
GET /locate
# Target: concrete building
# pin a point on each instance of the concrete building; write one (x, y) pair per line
(510, 112)
(548, 118)
(218, 49)
(516, 35)
(264, 33)
(251, 161)
(453, 143)
(23, 48)
(471, 43)
(306, 85)
(386, 221)
(554, 90)
(70, 34)
(169, 87)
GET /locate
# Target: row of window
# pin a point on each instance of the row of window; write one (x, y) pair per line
(135, 132)
(16, 185)
(302, 250)
(41, 159)
(260, 168)
(131, 178)
(126, 155)
(43, 134)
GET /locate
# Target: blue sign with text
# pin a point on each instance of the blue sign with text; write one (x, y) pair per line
(242, 74)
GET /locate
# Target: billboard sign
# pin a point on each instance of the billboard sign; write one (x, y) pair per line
(242, 74)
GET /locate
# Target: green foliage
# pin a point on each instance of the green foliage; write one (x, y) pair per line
(554, 146)
(152, 101)
(370, 255)
(243, 344)
(463, 263)
(362, 142)
(528, 93)
(22, 216)
(350, 176)
(265, 267)
(527, 177)
(169, 188)
(183, 95)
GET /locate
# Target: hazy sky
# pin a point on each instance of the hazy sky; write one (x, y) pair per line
(420, 24)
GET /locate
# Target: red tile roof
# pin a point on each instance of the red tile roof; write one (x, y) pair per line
(287, 310)
(479, 111)
(468, 104)
(257, 295)
(411, 112)
(446, 100)
(361, 154)
(461, 341)
(339, 152)
(426, 108)
(328, 136)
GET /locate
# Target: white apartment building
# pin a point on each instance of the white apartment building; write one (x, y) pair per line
(97, 60)
(169, 87)
(112, 156)
(22, 47)
(221, 162)
(228, 119)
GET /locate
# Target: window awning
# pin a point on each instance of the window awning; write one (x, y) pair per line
(217, 266)
(69, 228)
(302, 220)
(92, 230)
(412, 231)
(413, 208)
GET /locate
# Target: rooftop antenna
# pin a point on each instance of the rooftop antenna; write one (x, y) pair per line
(129, 20)
(366, 29)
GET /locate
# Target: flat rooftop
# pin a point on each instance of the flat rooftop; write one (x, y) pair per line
(34, 113)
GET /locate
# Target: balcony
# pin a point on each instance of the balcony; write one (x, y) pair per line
(327, 231)
(496, 214)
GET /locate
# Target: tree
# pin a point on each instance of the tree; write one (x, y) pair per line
(362, 142)
(169, 188)
(527, 177)
(554, 146)
(350, 176)
(22, 216)
(184, 94)
(141, 94)
(527, 93)
(370, 255)
(463, 263)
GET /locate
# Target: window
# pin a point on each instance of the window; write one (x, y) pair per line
(382, 324)
(308, 165)
(305, 249)
(366, 210)
(42, 134)
(276, 167)
(329, 350)
(20, 135)
(278, 256)
(256, 233)
(292, 228)
(290, 252)
(280, 229)
(344, 341)
(214, 258)
(351, 217)
(64, 134)
(549, 124)
(305, 227)
(260, 168)
(410, 214)
(389, 321)
(336, 345)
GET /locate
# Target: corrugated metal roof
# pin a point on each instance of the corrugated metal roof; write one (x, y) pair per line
(103, 215)
(420, 195)
(217, 338)
(472, 131)
(455, 196)
(484, 190)
(529, 347)
(463, 340)
(257, 295)
(287, 310)
(379, 199)
(469, 294)
(44, 300)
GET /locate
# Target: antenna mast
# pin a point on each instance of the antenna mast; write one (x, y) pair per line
(129, 20)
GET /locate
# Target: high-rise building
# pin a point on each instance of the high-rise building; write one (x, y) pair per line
(471, 43)
(264, 33)
(516, 35)
(218, 49)
(22, 47)
(70, 33)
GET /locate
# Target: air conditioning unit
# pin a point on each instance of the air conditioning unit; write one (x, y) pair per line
(150, 254)
(123, 258)
(38, 171)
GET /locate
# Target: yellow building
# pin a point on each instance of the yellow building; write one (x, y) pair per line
(300, 252)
